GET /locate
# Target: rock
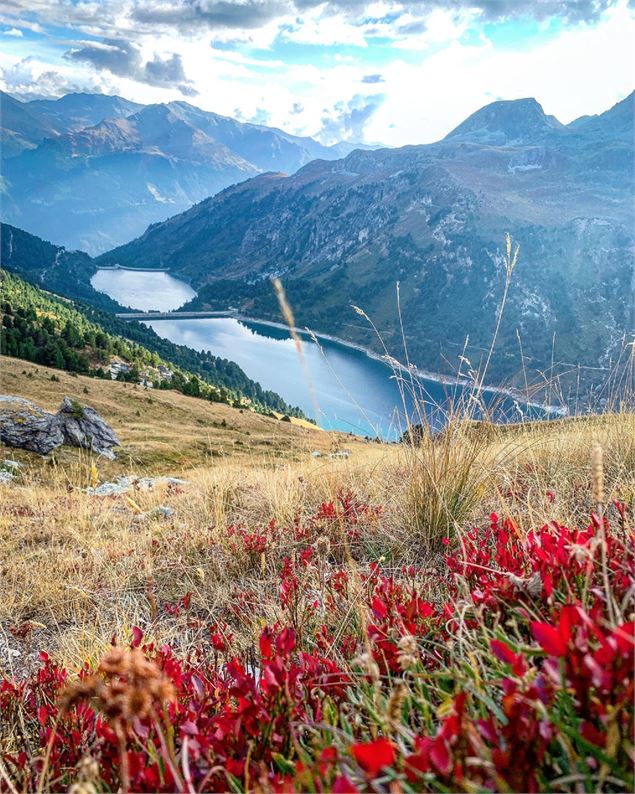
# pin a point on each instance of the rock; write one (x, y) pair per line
(25, 425)
(161, 511)
(11, 465)
(6, 478)
(124, 484)
(83, 427)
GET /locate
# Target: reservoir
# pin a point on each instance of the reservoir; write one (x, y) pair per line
(142, 289)
(340, 386)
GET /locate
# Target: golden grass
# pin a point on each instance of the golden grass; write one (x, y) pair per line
(161, 430)
(83, 567)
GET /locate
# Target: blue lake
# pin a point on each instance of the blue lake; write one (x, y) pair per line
(340, 386)
(143, 290)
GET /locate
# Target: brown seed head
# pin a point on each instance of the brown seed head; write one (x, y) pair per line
(126, 686)
(597, 475)
(323, 546)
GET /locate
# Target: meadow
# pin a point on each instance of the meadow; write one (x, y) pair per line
(453, 615)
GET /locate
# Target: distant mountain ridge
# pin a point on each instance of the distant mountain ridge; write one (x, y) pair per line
(433, 217)
(91, 171)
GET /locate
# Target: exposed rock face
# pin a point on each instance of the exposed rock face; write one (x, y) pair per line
(25, 425)
(433, 218)
(84, 427)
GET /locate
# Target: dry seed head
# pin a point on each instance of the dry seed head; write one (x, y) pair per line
(534, 584)
(83, 787)
(323, 546)
(126, 686)
(395, 702)
(597, 475)
(366, 661)
(88, 768)
(408, 652)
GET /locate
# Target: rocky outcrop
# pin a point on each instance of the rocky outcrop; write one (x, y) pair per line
(25, 425)
(84, 427)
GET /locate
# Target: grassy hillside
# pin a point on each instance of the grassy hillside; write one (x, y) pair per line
(164, 430)
(54, 331)
(407, 619)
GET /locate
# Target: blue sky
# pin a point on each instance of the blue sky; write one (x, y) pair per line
(388, 71)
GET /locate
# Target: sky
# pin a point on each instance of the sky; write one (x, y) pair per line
(387, 72)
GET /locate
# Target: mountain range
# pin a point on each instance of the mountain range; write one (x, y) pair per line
(91, 171)
(434, 218)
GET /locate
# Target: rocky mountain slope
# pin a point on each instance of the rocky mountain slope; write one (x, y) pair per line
(51, 266)
(91, 171)
(434, 218)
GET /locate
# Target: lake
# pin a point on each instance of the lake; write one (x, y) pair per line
(340, 386)
(142, 289)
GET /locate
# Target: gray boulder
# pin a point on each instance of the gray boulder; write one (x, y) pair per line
(25, 425)
(83, 427)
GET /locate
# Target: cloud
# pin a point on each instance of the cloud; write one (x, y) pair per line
(31, 79)
(261, 116)
(13, 32)
(372, 78)
(346, 120)
(123, 59)
(168, 72)
(568, 10)
(244, 14)
(118, 57)
(106, 17)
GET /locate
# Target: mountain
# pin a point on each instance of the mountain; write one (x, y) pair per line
(22, 127)
(506, 123)
(91, 171)
(51, 266)
(433, 218)
(79, 110)
(616, 124)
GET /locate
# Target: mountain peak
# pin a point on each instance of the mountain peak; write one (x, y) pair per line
(615, 123)
(506, 121)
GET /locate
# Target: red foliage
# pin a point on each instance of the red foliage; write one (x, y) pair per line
(562, 678)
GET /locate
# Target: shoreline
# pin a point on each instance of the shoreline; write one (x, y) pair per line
(435, 377)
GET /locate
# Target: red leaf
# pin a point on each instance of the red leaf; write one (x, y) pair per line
(547, 583)
(285, 643)
(440, 756)
(379, 608)
(266, 644)
(373, 756)
(137, 636)
(190, 728)
(503, 652)
(343, 785)
(549, 638)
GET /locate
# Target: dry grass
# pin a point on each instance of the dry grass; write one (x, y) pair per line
(83, 567)
(164, 430)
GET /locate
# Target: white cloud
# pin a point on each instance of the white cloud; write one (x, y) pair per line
(583, 70)
(13, 32)
(430, 78)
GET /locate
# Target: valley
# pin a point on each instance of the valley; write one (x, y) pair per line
(317, 397)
